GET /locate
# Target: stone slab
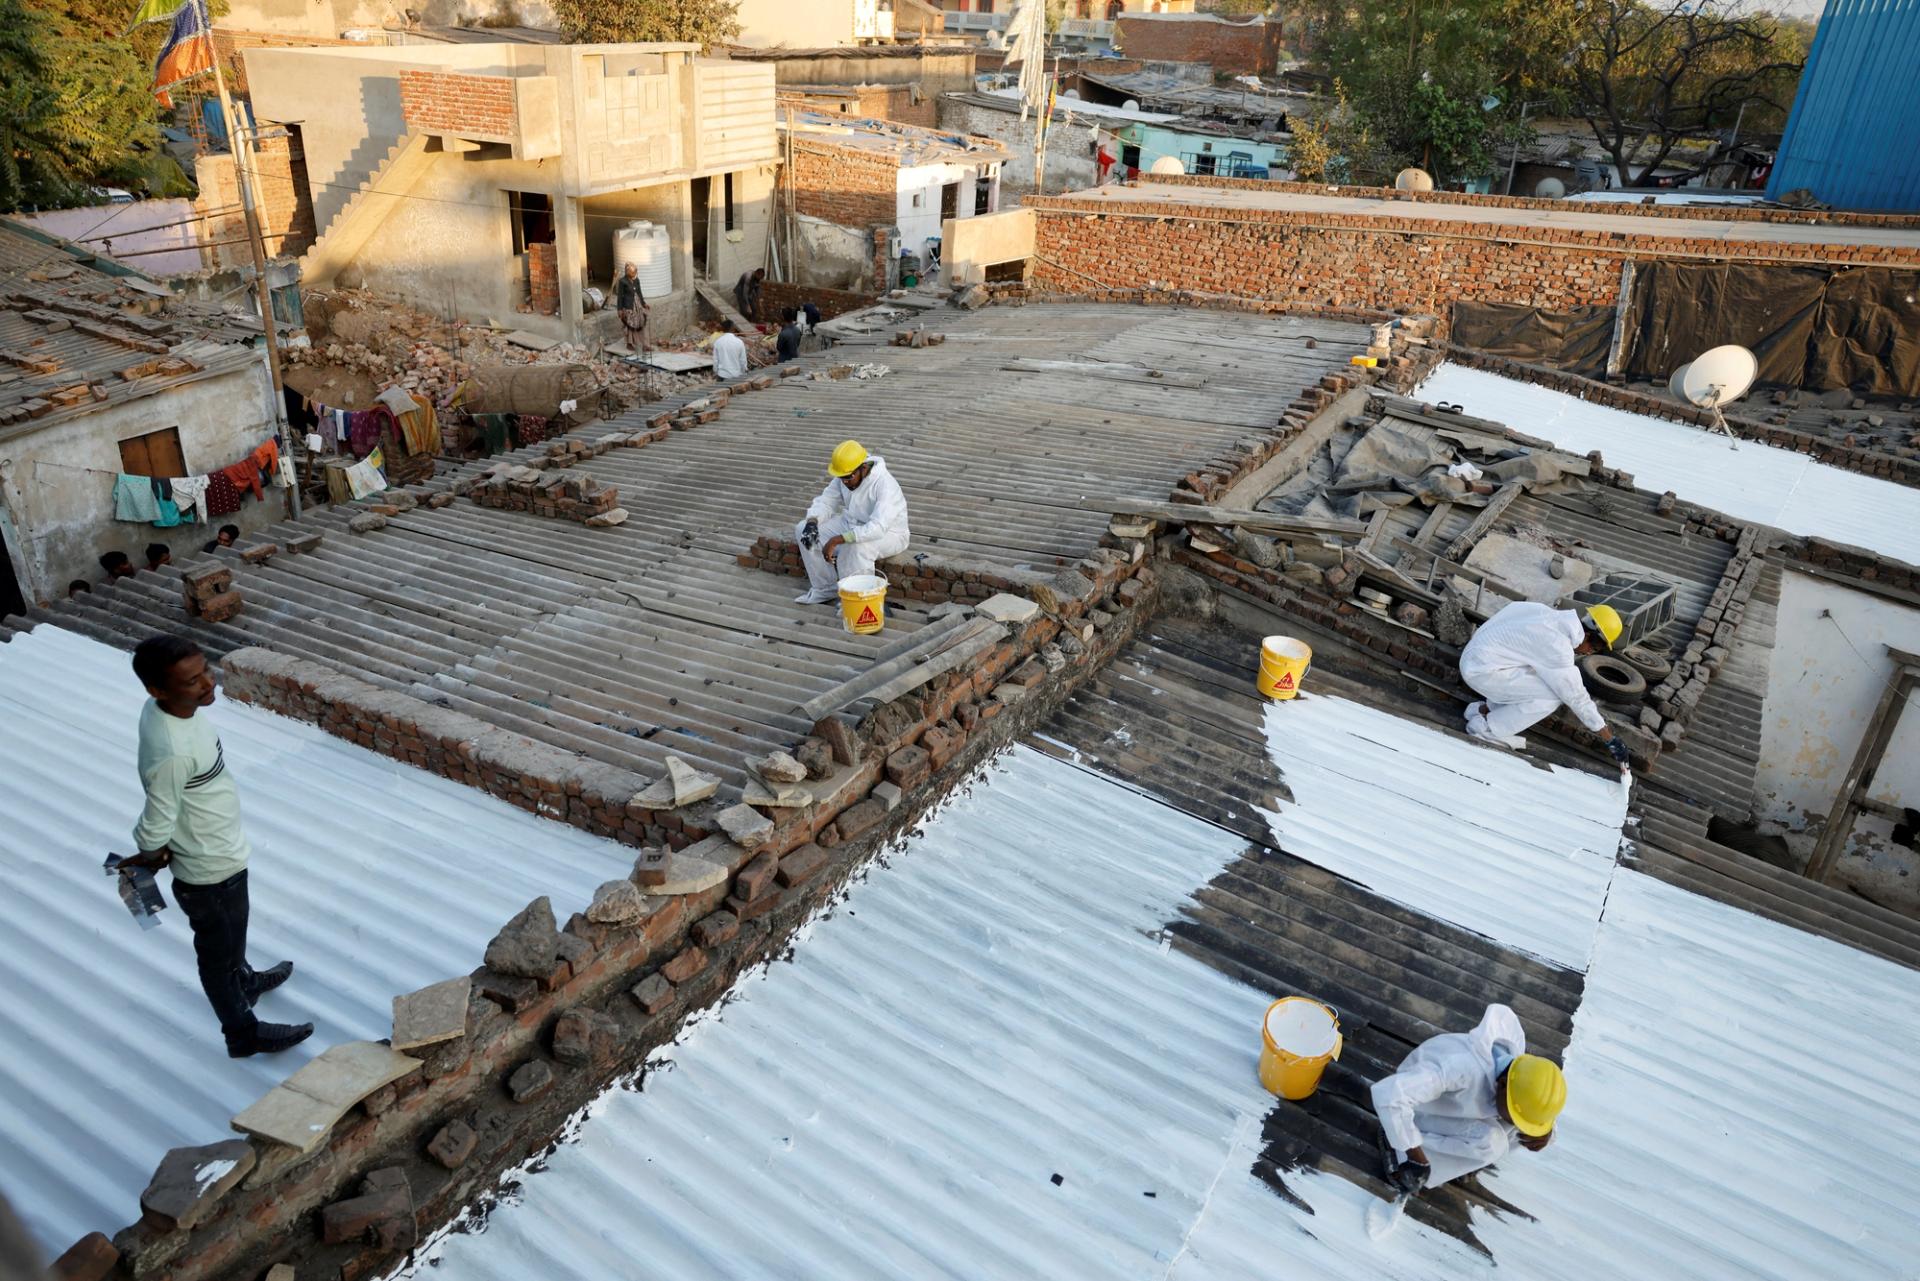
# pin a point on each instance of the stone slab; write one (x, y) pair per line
(190, 1181)
(433, 1014)
(775, 795)
(1007, 608)
(684, 785)
(689, 875)
(301, 1111)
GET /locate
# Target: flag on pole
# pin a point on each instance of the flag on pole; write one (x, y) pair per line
(188, 51)
(156, 11)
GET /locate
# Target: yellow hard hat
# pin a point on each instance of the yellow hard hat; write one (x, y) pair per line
(1604, 619)
(849, 454)
(1536, 1091)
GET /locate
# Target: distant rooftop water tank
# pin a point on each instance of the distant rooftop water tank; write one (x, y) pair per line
(645, 245)
(1167, 164)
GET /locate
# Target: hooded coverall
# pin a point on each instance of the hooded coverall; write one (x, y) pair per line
(872, 519)
(1443, 1099)
(1522, 659)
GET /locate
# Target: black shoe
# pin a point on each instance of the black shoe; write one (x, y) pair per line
(261, 982)
(269, 1038)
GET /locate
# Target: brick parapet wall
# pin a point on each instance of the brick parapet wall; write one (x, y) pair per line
(1871, 569)
(776, 295)
(1244, 48)
(683, 951)
(286, 208)
(847, 186)
(1717, 213)
(446, 102)
(904, 104)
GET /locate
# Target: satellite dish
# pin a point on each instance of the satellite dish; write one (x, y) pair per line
(1413, 180)
(1719, 377)
(1716, 378)
(1550, 189)
(1167, 164)
(1676, 383)
(1131, 104)
(1071, 93)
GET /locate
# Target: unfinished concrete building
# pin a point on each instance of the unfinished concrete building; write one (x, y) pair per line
(1024, 1039)
(491, 181)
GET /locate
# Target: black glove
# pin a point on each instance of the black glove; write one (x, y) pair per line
(1411, 1177)
(1618, 750)
(810, 532)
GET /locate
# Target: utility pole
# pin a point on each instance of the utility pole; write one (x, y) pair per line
(241, 142)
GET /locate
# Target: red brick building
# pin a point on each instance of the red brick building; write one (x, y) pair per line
(1235, 46)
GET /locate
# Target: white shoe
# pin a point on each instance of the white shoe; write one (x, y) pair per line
(1478, 728)
(817, 596)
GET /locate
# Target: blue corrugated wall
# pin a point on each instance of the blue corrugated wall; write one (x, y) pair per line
(1854, 134)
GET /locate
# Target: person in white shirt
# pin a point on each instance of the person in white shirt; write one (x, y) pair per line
(191, 823)
(1524, 660)
(729, 352)
(860, 518)
(1461, 1101)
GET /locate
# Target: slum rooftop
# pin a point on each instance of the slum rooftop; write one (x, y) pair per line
(77, 331)
(907, 144)
(1190, 851)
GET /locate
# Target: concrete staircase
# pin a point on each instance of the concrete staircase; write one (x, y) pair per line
(349, 230)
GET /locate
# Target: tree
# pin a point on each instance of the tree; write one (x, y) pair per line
(1645, 77)
(705, 22)
(75, 103)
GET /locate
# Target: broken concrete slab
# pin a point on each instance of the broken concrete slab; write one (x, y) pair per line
(687, 874)
(433, 1014)
(607, 520)
(616, 903)
(526, 945)
(775, 796)
(951, 609)
(1007, 608)
(190, 1182)
(745, 825)
(302, 1110)
(684, 785)
(816, 755)
(778, 767)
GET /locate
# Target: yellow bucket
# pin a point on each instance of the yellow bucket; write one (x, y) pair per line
(1299, 1037)
(1365, 362)
(863, 603)
(1283, 666)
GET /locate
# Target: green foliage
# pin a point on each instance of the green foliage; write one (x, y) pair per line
(75, 103)
(704, 22)
(1339, 146)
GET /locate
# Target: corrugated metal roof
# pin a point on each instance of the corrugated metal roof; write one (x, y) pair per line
(1849, 137)
(982, 1066)
(1463, 831)
(373, 878)
(1749, 481)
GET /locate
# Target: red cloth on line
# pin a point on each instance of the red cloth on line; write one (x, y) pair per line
(245, 475)
(223, 496)
(267, 457)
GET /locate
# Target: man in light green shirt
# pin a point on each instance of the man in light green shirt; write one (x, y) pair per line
(191, 822)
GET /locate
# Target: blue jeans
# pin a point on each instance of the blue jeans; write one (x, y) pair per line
(218, 915)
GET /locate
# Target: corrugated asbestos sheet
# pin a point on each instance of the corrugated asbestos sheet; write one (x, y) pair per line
(373, 878)
(1849, 138)
(1749, 481)
(632, 643)
(983, 1066)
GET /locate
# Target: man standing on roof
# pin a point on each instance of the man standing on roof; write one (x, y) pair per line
(191, 822)
(630, 301)
(859, 518)
(1522, 659)
(1462, 1099)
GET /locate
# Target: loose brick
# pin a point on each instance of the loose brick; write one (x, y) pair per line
(718, 927)
(802, 864)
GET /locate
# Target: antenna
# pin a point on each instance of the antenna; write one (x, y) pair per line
(1716, 378)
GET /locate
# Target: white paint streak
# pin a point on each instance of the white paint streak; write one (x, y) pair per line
(212, 1172)
(374, 878)
(1751, 481)
(1468, 833)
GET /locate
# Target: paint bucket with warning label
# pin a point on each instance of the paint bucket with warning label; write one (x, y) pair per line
(1283, 666)
(1298, 1038)
(863, 603)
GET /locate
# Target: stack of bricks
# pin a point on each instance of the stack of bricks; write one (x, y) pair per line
(543, 279)
(210, 595)
(565, 495)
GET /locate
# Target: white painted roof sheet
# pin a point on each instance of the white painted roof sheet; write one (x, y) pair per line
(990, 1008)
(372, 877)
(1469, 833)
(1750, 481)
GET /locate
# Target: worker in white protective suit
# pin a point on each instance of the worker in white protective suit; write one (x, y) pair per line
(1462, 1099)
(859, 519)
(1524, 660)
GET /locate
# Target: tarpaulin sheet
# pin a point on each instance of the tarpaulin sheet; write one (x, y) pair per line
(1679, 310)
(1868, 333)
(1575, 341)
